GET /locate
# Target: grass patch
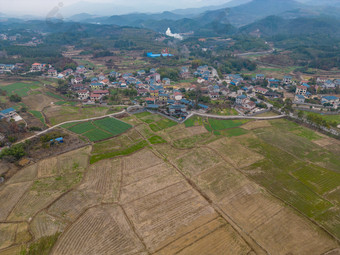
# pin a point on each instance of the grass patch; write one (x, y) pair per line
(42, 246)
(82, 127)
(127, 151)
(162, 124)
(156, 140)
(97, 135)
(20, 88)
(38, 115)
(218, 125)
(113, 126)
(55, 96)
(234, 132)
(193, 121)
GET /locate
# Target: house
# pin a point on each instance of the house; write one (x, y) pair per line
(101, 92)
(141, 72)
(273, 95)
(178, 110)
(52, 72)
(259, 77)
(166, 81)
(332, 100)
(37, 67)
(78, 86)
(301, 90)
(329, 84)
(8, 113)
(239, 99)
(83, 94)
(163, 97)
(154, 93)
(95, 97)
(77, 80)
(287, 79)
(249, 105)
(152, 106)
(178, 96)
(202, 106)
(96, 86)
(155, 77)
(153, 70)
(273, 84)
(150, 100)
(299, 99)
(80, 69)
(260, 90)
(214, 95)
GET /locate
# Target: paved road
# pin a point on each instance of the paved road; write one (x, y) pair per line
(237, 117)
(71, 121)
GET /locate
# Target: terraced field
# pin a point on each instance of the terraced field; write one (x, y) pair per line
(273, 188)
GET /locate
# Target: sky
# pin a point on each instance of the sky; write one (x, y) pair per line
(47, 7)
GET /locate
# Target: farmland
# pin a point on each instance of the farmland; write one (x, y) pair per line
(203, 187)
(99, 129)
(20, 88)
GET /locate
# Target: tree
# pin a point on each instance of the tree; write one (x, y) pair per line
(15, 98)
(301, 114)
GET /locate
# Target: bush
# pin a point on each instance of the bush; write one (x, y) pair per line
(15, 98)
(13, 153)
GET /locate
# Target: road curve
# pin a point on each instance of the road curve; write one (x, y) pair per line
(71, 121)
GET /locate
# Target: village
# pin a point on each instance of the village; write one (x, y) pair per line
(245, 94)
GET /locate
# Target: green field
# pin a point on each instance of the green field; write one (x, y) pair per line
(99, 129)
(155, 121)
(55, 95)
(20, 88)
(218, 125)
(38, 115)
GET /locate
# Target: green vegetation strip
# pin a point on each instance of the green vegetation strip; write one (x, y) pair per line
(132, 149)
(156, 140)
(38, 115)
(54, 95)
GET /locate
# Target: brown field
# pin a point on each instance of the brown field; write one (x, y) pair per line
(103, 178)
(44, 224)
(13, 233)
(159, 200)
(198, 160)
(235, 153)
(73, 204)
(101, 230)
(214, 237)
(173, 209)
(256, 124)
(38, 102)
(10, 195)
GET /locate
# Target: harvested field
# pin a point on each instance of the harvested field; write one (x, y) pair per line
(103, 178)
(175, 210)
(214, 237)
(71, 205)
(170, 153)
(38, 102)
(44, 224)
(10, 195)
(235, 153)
(288, 233)
(197, 160)
(143, 182)
(141, 160)
(24, 175)
(256, 124)
(13, 233)
(114, 234)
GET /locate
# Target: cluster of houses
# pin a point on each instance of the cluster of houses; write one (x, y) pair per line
(303, 93)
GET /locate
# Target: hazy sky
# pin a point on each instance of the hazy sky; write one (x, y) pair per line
(43, 7)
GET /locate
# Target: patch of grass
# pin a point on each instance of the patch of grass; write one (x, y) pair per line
(113, 126)
(38, 115)
(156, 140)
(142, 114)
(19, 88)
(191, 142)
(193, 121)
(218, 125)
(97, 135)
(127, 151)
(54, 95)
(162, 124)
(82, 127)
(42, 246)
(234, 132)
